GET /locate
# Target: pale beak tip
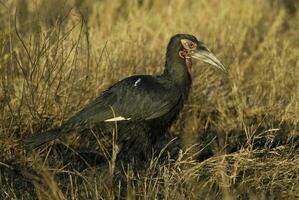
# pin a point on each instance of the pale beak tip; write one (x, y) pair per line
(221, 67)
(224, 69)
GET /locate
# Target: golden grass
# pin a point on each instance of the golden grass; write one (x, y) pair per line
(55, 56)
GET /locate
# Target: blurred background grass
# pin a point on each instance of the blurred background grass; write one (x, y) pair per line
(239, 133)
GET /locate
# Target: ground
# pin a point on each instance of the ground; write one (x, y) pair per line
(237, 137)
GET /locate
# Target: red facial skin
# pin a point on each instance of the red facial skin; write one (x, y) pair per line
(184, 56)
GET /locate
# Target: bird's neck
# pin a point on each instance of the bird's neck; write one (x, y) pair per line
(176, 70)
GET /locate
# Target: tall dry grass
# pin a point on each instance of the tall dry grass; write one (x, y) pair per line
(239, 133)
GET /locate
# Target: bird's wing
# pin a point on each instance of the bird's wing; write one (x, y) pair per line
(134, 98)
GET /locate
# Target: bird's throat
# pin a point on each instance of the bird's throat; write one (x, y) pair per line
(188, 62)
(178, 70)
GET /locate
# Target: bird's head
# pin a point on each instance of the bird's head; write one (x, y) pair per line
(187, 47)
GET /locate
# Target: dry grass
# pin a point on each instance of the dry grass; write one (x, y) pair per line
(240, 133)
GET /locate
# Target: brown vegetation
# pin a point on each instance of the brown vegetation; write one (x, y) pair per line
(239, 134)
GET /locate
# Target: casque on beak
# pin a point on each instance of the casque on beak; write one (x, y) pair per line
(207, 56)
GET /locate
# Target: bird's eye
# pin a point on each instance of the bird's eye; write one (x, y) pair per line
(191, 45)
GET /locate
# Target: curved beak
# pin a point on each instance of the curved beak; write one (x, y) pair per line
(208, 57)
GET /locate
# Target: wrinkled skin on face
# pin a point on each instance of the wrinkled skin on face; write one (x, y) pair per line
(184, 55)
(198, 50)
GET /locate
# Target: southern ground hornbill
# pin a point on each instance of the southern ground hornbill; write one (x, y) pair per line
(143, 106)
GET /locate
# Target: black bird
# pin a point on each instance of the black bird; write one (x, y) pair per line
(143, 106)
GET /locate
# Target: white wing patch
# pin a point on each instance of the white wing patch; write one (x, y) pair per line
(115, 119)
(138, 81)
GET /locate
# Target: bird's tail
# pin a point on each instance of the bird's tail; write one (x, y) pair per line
(42, 138)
